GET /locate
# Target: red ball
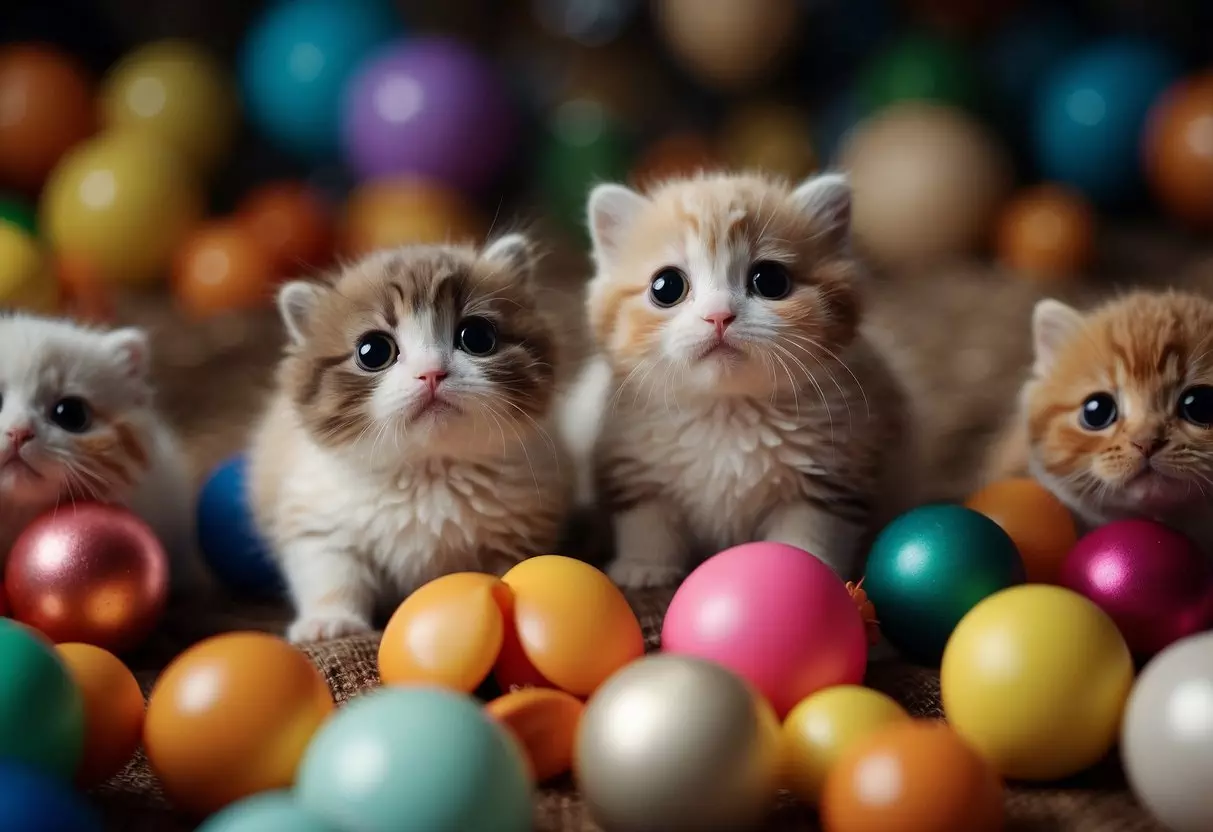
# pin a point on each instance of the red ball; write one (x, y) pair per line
(91, 573)
(1150, 579)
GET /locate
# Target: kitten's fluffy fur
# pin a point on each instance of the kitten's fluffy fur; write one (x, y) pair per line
(1147, 350)
(365, 488)
(78, 421)
(787, 433)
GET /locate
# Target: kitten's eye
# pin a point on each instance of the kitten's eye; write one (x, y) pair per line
(375, 351)
(72, 414)
(1196, 405)
(1098, 411)
(476, 336)
(770, 280)
(669, 288)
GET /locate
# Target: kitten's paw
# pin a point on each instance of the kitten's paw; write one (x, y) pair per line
(325, 626)
(633, 574)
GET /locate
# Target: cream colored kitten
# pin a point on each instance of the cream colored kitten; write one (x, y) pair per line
(734, 397)
(408, 435)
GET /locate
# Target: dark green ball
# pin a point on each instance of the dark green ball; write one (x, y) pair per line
(41, 708)
(929, 567)
(921, 67)
(18, 213)
(585, 147)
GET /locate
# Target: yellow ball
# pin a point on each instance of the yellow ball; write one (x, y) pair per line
(124, 200)
(26, 280)
(180, 93)
(823, 726)
(1036, 677)
(769, 137)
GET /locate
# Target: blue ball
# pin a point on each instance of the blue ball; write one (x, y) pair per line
(34, 802)
(1090, 116)
(228, 537)
(275, 811)
(416, 758)
(296, 62)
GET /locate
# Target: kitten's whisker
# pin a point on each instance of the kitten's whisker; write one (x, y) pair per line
(821, 393)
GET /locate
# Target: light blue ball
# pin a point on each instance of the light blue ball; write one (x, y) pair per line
(296, 62)
(1091, 112)
(416, 759)
(228, 537)
(276, 811)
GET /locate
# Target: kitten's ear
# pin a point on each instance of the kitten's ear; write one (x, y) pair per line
(296, 302)
(826, 200)
(513, 251)
(131, 348)
(1053, 324)
(611, 209)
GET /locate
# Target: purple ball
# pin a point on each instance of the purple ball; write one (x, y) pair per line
(1150, 579)
(429, 107)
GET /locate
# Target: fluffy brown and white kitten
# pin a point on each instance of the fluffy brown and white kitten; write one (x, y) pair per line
(734, 397)
(78, 421)
(1117, 416)
(407, 438)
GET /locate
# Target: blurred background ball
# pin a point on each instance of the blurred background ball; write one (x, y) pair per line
(441, 764)
(773, 614)
(677, 154)
(108, 192)
(1089, 119)
(1038, 523)
(1167, 736)
(274, 811)
(295, 64)
(113, 711)
(431, 108)
(677, 742)
(26, 279)
(292, 224)
(47, 109)
(545, 723)
(918, 66)
(95, 574)
(220, 267)
(1179, 150)
(1152, 580)
(1035, 677)
(83, 294)
(716, 42)
(228, 536)
(41, 707)
(928, 181)
(1046, 231)
(232, 716)
(402, 211)
(912, 776)
(769, 137)
(178, 91)
(33, 801)
(16, 211)
(584, 144)
(929, 567)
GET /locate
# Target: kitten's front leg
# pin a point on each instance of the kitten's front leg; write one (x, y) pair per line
(829, 538)
(333, 591)
(651, 548)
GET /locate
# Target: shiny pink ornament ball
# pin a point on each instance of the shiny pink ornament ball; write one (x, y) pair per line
(1150, 579)
(774, 615)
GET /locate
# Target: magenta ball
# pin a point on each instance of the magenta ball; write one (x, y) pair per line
(1150, 579)
(431, 108)
(774, 615)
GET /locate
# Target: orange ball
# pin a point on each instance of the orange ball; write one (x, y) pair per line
(678, 154)
(1179, 150)
(46, 106)
(222, 267)
(913, 776)
(544, 722)
(113, 711)
(232, 716)
(292, 224)
(1048, 231)
(85, 295)
(1040, 525)
(400, 211)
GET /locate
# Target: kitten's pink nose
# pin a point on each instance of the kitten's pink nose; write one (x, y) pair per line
(432, 379)
(1148, 447)
(721, 320)
(20, 436)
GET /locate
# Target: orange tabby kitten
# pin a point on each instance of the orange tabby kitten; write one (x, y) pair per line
(1117, 416)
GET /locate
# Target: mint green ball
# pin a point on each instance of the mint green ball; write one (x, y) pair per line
(416, 758)
(41, 708)
(276, 811)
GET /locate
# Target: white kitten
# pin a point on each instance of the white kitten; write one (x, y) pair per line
(407, 438)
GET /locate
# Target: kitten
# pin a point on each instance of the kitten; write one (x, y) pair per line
(407, 437)
(1117, 415)
(78, 421)
(735, 397)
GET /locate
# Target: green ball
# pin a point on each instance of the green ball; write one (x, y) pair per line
(585, 146)
(41, 708)
(275, 811)
(929, 567)
(920, 67)
(416, 758)
(20, 214)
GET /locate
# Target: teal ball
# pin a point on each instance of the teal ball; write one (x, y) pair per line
(416, 758)
(275, 811)
(929, 567)
(41, 708)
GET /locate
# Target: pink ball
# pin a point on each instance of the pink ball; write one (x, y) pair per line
(773, 614)
(1150, 579)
